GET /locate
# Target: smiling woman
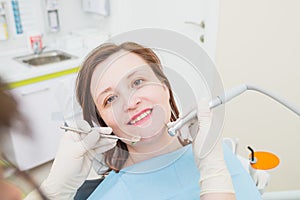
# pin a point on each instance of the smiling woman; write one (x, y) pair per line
(136, 101)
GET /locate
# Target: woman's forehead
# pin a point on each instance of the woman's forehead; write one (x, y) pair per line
(117, 67)
(120, 60)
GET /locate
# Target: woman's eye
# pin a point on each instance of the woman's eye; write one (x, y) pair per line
(137, 82)
(110, 99)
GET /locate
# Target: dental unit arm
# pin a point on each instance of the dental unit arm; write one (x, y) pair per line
(230, 94)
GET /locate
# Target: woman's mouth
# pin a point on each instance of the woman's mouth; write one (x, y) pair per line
(140, 117)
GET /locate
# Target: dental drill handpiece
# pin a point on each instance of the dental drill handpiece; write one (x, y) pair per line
(230, 94)
(212, 104)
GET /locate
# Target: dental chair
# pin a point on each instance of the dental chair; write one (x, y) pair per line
(260, 177)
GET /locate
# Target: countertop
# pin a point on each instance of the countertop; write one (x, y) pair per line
(12, 71)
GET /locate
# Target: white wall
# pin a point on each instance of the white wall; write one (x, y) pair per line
(71, 17)
(259, 43)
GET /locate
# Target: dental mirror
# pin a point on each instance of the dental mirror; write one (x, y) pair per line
(192, 75)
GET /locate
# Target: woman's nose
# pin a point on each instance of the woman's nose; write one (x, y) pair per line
(132, 102)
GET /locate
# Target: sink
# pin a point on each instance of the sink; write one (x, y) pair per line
(47, 57)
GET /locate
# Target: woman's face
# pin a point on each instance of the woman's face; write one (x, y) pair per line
(130, 98)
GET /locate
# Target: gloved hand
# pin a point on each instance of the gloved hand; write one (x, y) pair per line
(215, 178)
(73, 160)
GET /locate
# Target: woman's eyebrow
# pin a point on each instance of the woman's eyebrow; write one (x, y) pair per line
(135, 72)
(103, 92)
(131, 74)
(110, 89)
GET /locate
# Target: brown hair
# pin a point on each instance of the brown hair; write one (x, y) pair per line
(84, 96)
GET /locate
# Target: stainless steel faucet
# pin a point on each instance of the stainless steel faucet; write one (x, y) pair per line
(36, 48)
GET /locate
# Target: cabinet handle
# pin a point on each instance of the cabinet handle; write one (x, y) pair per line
(35, 91)
(201, 38)
(201, 24)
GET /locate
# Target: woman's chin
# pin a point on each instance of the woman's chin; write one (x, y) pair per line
(149, 137)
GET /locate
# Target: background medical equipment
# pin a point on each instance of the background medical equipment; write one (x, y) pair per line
(261, 178)
(52, 15)
(99, 7)
(262, 160)
(259, 162)
(222, 99)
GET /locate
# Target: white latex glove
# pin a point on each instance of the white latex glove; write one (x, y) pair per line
(73, 160)
(215, 177)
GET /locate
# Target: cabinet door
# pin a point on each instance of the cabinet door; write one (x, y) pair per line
(193, 18)
(39, 105)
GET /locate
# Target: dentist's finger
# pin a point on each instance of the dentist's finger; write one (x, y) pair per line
(104, 145)
(90, 140)
(82, 125)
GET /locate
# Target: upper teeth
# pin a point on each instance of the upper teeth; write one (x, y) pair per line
(143, 115)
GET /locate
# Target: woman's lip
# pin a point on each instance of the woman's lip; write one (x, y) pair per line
(134, 117)
(139, 113)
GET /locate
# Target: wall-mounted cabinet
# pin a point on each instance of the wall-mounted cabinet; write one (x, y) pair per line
(197, 19)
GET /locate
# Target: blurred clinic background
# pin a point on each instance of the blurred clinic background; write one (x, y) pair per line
(250, 41)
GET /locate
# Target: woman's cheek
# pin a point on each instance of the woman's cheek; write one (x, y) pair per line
(110, 119)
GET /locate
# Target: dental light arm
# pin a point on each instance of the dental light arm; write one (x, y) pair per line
(234, 92)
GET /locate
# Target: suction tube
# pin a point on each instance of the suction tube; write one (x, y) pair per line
(230, 94)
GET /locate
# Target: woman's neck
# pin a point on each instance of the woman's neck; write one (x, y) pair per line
(164, 144)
